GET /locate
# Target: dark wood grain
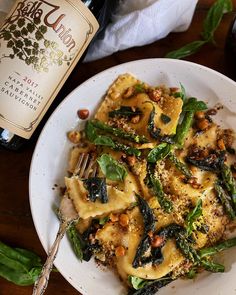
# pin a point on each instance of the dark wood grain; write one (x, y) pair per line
(16, 225)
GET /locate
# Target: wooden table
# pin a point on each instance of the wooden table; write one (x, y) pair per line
(16, 225)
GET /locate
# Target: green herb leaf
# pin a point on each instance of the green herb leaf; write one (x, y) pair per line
(193, 216)
(20, 278)
(111, 168)
(165, 119)
(186, 50)
(125, 111)
(19, 266)
(194, 105)
(104, 140)
(159, 152)
(96, 187)
(137, 283)
(90, 131)
(214, 16)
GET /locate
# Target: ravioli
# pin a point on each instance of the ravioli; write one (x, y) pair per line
(156, 145)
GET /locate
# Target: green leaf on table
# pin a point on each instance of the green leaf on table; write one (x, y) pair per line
(111, 168)
(19, 266)
(186, 50)
(214, 16)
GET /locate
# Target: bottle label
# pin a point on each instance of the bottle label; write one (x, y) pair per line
(40, 43)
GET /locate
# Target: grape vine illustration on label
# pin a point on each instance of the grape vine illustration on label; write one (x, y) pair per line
(40, 43)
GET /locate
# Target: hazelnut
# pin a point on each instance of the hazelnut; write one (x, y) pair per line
(114, 217)
(131, 160)
(203, 124)
(200, 115)
(129, 92)
(120, 251)
(221, 144)
(83, 114)
(157, 241)
(124, 220)
(155, 94)
(74, 136)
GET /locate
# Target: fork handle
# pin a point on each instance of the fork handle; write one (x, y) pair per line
(42, 282)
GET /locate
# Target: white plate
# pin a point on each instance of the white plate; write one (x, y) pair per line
(49, 164)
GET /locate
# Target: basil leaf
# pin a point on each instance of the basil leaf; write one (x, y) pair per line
(186, 50)
(159, 152)
(137, 283)
(125, 111)
(193, 216)
(90, 131)
(111, 168)
(214, 16)
(194, 105)
(165, 119)
(104, 140)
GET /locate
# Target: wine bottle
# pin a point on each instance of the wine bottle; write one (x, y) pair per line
(40, 44)
(230, 51)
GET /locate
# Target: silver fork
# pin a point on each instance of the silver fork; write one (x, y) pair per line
(85, 167)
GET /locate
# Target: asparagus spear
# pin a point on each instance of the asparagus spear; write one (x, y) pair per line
(229, 182)
(190, 106)
(118, 132)
(217, 248)
(159, 193)
(183, 128)
(225, 200)
(180, 165)
(107, 141)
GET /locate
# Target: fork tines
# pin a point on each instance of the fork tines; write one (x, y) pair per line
(86, 166)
